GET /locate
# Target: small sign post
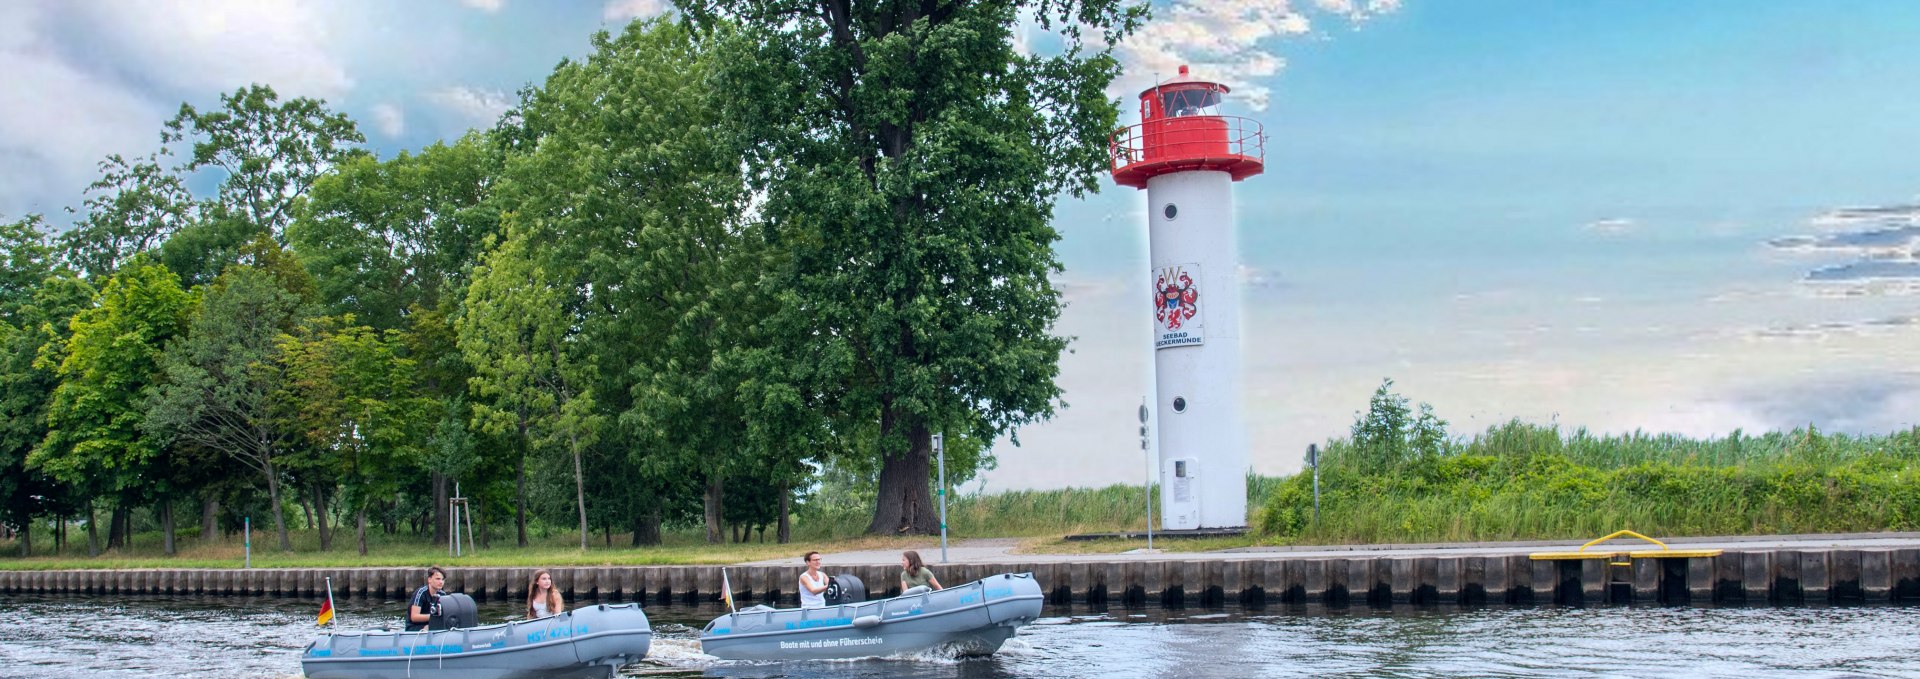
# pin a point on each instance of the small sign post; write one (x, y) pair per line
(1147, 450)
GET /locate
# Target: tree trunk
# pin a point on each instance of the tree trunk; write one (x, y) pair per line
(905, 502)
(440, 516)
(320, 512)
(306, 508)
(520, 499)
(714, 499)
(209, 519)
(360, 528)
(579, 489)
(26, 538)
(93, 532)
(166, 524)
(646, 528)
(784, 533)
(60, 537)
(273, 496)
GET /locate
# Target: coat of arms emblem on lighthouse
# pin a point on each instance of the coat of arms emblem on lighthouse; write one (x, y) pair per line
(1176, 307)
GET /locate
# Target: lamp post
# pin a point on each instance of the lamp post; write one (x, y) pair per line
(940, 451)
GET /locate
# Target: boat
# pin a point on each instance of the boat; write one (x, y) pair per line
(594, 641)
(968, 620)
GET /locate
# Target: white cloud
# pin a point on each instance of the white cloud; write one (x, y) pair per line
(389, 119)
(57, 121)
(488, 6)
(1612, 225)
(1226, 40)
(477, 107)
(623, 10)
(200, 45)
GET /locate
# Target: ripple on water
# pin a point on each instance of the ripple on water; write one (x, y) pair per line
(68, 637)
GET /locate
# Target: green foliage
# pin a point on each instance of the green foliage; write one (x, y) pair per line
(95, 439)
(271, 152)
(1522, 481)
(910, 161)
(386, 237)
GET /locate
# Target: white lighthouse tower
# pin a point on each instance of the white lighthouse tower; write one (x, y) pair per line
(1187, 156)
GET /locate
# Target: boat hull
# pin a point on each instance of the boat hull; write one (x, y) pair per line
(972, 619)
(588, 642)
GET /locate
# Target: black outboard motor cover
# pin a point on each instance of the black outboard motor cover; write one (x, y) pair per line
(845, 588)
(456, 611)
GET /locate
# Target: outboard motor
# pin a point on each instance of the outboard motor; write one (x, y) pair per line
(845, 588)
(456, 611)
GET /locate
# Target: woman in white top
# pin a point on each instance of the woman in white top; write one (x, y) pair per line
(542, 598)
(813, 584)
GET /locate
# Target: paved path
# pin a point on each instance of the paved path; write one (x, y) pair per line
(1001, 550)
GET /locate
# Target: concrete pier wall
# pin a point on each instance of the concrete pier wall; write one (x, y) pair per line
(1787, 577)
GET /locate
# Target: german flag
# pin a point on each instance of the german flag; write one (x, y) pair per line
(326, 610)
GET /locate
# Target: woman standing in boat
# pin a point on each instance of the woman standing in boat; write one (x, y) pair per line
(543, 599)
(915, 573)
(813, 583)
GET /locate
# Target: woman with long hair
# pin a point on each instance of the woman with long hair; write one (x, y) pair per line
(915, 573)
(543, 599)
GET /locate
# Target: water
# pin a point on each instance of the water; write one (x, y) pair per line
(67, 637)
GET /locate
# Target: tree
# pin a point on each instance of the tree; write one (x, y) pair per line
(910, 157)
(271, 152)
(520, 332)
(96, 441)
(347, 391)
(26, 389)
(629, 194)
(219, 377)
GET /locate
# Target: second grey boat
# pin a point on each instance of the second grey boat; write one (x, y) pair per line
(971, 619)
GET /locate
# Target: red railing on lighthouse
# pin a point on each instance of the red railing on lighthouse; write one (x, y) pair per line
(1159, 146)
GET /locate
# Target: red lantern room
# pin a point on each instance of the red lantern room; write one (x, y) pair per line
(1181, 129)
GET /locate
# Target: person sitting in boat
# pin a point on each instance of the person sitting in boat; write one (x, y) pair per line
(543, 599)
(425, 603)
(813, 584)
(915, 573)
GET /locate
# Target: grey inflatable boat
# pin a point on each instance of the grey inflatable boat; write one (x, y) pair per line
(594, 641)
(972, 619)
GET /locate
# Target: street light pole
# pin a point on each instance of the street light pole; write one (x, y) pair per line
(940, 451)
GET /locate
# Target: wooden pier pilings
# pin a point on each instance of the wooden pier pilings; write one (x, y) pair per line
(1735, 577)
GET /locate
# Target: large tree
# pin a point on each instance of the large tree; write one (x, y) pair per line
(35, 302)
(629, 194)
(218, 377)
(532, 369)
(107, 370)
(346, 390)
(910, 157)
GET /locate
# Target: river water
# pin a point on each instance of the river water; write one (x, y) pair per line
(69, 637)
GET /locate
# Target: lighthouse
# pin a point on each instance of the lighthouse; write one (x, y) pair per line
(1187, 156)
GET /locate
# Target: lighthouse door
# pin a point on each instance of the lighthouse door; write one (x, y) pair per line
(1181, 499)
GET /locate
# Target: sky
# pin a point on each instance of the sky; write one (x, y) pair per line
(1689, 217)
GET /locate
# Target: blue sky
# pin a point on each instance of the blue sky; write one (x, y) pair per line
(1619, 215)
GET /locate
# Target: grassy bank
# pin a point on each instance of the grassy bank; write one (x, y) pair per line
(1521, 481)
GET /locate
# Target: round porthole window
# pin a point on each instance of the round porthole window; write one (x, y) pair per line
(1170, 211)
(1179, 404)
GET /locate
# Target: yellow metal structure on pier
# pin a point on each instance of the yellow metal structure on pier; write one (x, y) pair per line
(1618, 558)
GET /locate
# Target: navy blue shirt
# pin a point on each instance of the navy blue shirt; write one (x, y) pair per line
(428, 601)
